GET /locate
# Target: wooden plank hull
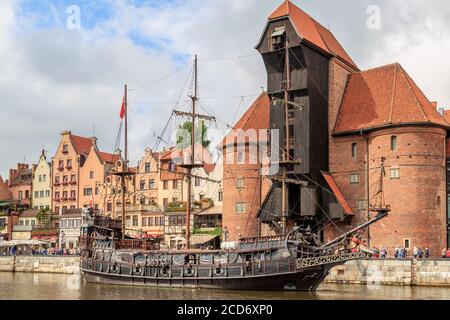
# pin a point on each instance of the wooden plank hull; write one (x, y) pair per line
(307, 279)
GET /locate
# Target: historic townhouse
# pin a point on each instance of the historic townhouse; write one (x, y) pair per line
(93, 173)
(66, 167)
(42, 184)
(20, 184)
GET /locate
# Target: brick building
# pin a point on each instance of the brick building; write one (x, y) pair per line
(20, 184)
(244, 187)
(352, 126)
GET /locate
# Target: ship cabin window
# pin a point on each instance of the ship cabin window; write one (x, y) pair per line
(277, 38)
(354, 150)
(139, 258)
(393, 143)
(126, 257)
(191, 259)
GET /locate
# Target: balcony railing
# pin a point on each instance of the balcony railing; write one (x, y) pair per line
(57, 184)
(69, 167)
(73, 182)
(61, 168)
(23, 228)
(71, 211)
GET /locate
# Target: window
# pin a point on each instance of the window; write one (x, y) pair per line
(109, 206)
(135, 221)
(65, 148)
(172, 167)
(166, 185)
(40, 178)
(64, 194)
(27, 194)
(147, 167)
(57, 179)
(36, 194)
(361, 205)
(88, 191)
(142, 201)
(73, 194)
(97, 190)
(21, 223)
(47, 193)
(61, 164)
(69, 163)
(277, 38)
(20, 195)
(165, 202)
(354, 150)
(175, 200)
(240, 157)
(65, 179)
(44, 178)
(354, 178)
(142, 184)
(393, 143)
(73, 178)
(197, 181)
(41, 194)
(407, 243)
(241, 207)
(144, 222)
(220, 196)
(240, 182)
(395, 173)
(33, 223)
(150, 222)
(57, 209)
(57, 195)
(91, 175)
(27, 222)
(175, 184)
(151, 184)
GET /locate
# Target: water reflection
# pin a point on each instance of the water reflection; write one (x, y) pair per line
(29, 286)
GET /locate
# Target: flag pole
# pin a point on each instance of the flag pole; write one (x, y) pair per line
(126, 127)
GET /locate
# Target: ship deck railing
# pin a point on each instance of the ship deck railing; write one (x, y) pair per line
(132, 244)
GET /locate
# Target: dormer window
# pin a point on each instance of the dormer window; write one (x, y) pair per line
(277, 38)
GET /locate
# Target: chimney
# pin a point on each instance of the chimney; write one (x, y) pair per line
(441, 111)
(94, 141)
(66, 133)
(12, 175)
(434, 104)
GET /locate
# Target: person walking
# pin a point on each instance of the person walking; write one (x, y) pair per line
(427, 253)
(420, 253)
(444, 253)
(415, 252)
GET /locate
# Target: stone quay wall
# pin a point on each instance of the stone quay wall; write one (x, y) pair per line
(40, 264)
(405, 272)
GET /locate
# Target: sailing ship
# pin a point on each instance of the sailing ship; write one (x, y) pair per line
(295, 259)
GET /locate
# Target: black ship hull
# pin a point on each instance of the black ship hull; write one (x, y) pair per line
(307, 279)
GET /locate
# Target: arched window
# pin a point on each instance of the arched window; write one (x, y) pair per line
(394, 143)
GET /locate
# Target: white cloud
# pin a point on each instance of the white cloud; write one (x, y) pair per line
(56, 79)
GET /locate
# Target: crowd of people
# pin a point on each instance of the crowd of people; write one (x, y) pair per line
(19, 250)
(403, 253)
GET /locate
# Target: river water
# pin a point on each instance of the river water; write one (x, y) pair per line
(34, 286)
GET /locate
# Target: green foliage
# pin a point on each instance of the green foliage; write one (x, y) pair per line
(43, 215)
(216, 232)
(184, 134)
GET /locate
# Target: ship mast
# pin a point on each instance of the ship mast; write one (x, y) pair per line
(189, 168)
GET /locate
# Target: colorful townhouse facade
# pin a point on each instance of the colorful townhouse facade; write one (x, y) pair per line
(42, 184)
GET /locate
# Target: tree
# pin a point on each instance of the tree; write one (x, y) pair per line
(184, 134)
(43, 216)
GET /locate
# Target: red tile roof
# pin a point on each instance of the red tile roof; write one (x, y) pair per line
(338, 193)
(5, 194)
(257, 117)
(107, 157)
(312, 31)
(81, 144)
(381, 97)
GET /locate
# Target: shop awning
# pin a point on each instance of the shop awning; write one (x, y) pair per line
(197, 239)
(338, 193)
(22, 243)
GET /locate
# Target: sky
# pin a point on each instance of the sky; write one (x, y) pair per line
(57, 74)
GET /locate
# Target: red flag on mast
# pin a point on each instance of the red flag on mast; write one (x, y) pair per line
(122, 109)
